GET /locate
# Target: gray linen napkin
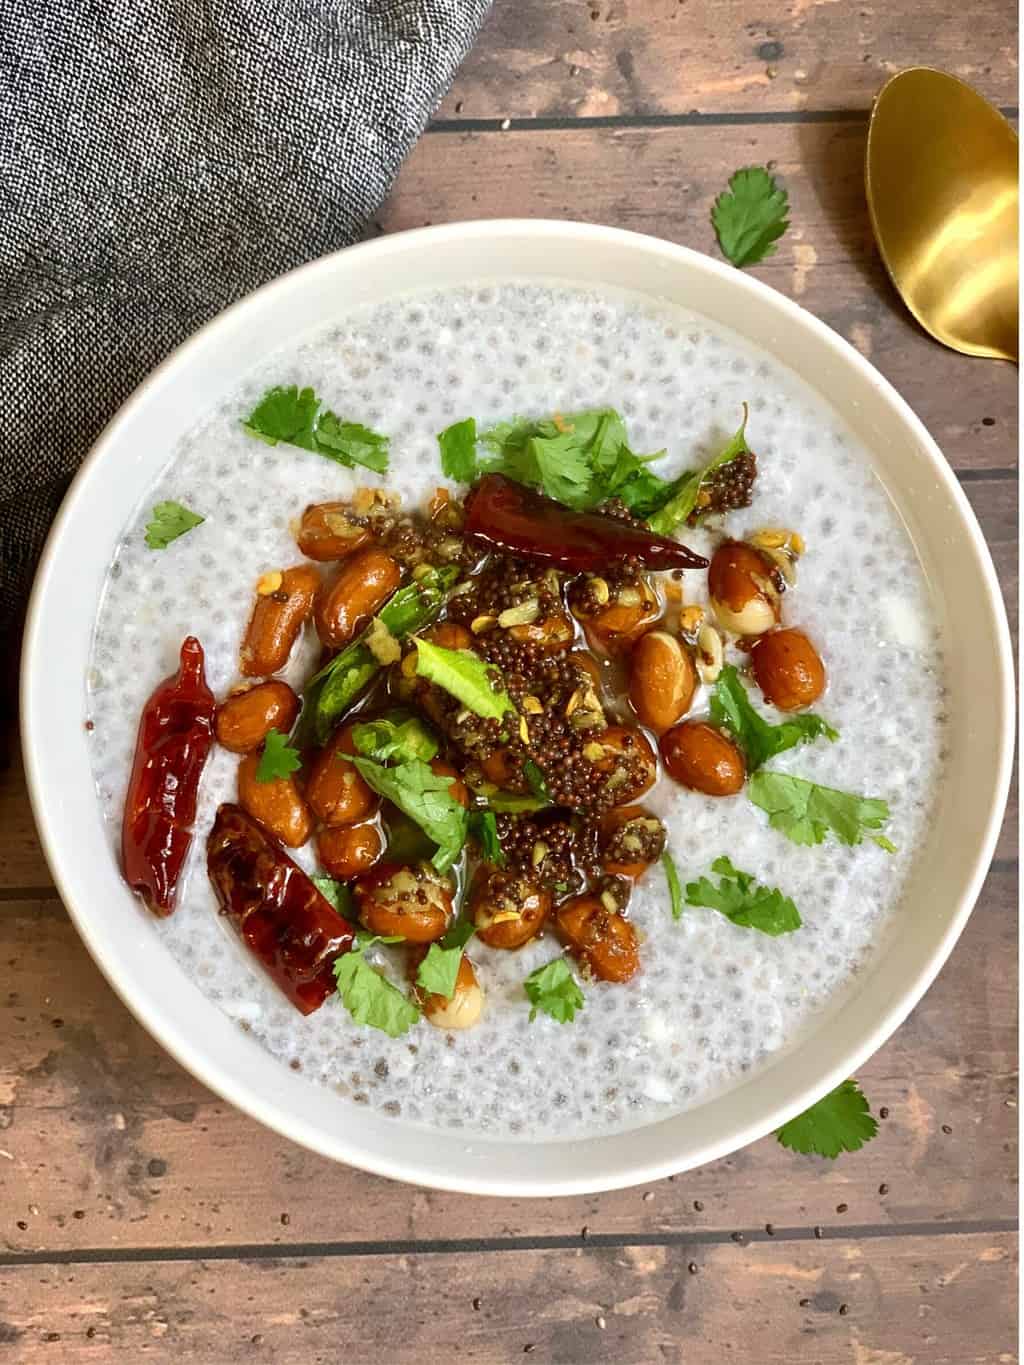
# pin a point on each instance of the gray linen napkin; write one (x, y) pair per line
(160, 159)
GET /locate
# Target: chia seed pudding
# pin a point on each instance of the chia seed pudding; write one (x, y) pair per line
(712, 1001)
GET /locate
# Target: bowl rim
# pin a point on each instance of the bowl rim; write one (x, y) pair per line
(271, 1110)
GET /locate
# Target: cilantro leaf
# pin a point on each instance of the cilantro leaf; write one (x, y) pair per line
(168, 521)
(679, 507)
(840, 1122)
(399, 736)
(644, 492)
(439, 970)
(350, 443)
(466, 676)
(290, 414)
(458, 451)
(285, 414)
(337, 895)
(553, 989)
(484, 828)
(760, 740)
(675, 891)
(332, 691)
(805, 812)
(744, 901)
(581, 459)
(750, 216)
(369, 997)
(424, 797)
(277, 759)
(538, 786)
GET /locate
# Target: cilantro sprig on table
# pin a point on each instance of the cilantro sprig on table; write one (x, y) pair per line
(168, 521)
(840, 1122)
(553, 990)
(744, 900)
(806, 813)
(758, 738)
(750, 216)
(296, 417)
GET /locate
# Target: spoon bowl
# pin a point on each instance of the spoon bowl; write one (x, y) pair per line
(942, 193)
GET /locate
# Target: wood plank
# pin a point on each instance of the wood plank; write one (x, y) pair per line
(22, 864)
(663, 181)
(607, 57)
(105, 1142)
(891, 1302)
(995, 505)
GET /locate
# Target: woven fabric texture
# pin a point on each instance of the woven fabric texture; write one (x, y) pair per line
(160, 159)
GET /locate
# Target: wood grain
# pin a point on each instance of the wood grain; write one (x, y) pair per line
(888, 1302)
(663, 181)
(105, 1142)
(648, 57)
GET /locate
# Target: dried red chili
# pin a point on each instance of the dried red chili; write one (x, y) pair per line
(175, 735)
(507, 516)
(283, 918)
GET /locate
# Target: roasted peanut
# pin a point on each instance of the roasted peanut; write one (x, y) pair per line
(631, 839)
(507, 910)
(245, 718)
(788, 669)
(345, 603)
(457, 789)
(462, 1009)
(662, 680)
(702, 758)
(744, 595)
(327, 532)
(631, 610)
(449, 635)
(625, 754)
(710, 653)
(411, 901)
(603, 940)
(347, 851)
(277, 617)
(335, 791)
(276, 804)
(555, 632)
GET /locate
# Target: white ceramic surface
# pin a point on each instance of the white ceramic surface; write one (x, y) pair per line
(121, 937)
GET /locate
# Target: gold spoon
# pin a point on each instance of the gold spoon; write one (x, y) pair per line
(942, 192)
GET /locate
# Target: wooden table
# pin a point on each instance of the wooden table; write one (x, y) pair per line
(143, 1219)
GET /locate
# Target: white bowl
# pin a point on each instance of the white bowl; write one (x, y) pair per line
(122, 938)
